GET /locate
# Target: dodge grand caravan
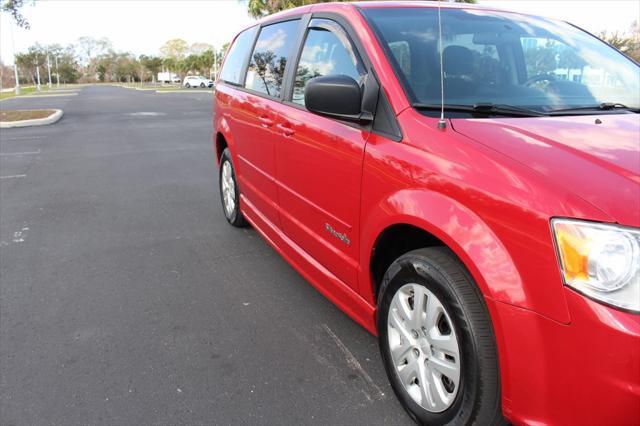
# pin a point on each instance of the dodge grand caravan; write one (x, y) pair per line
(462, 182)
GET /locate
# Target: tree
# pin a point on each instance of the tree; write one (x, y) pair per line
(175, 48)
(68, 69)
(170, 64)
(91, 47)
(260, 8)
(126, 67)
(206, 62)
(13, 7)
(541, 59)
(628, 42)
(199, 48)
(29, 62)
(190, 64)
(153, 64)
(7, 78)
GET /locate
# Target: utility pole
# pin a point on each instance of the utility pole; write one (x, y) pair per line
(38, 87)
(57, 74)
(215, 63)
(49, 69)
(15, 65)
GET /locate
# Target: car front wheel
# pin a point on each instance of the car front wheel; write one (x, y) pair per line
(437, 341)
(187, 85)
(202, 85)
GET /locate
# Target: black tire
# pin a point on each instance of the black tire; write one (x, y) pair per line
(477, 400)
(234, 217)
(187, 85)
(202, 85)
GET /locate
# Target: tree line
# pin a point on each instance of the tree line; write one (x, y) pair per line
(92, 59)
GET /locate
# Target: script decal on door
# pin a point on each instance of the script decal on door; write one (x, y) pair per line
(338, 235)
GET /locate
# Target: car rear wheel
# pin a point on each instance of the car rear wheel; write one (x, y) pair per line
(229, 192)
(437, 341)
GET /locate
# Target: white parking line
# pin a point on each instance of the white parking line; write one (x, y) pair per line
(12, 176)
(353, 362)
(23, 138)
(6, 154)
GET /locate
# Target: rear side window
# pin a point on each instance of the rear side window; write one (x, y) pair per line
(232, 69)
(270, 56)
(324, 53)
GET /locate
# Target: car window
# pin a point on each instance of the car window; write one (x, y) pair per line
(492, 57)
(401, 51)
(232, 69)
(269, 58)
(324, 53)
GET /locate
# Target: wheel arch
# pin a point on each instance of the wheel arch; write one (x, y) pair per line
(223, 139)
(427, 217)
(434, 219)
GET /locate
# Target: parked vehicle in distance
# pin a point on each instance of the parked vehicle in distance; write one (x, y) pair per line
(496, 251)
(168, 77)
(197, 81)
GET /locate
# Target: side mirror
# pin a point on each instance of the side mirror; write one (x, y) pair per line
(337, 96)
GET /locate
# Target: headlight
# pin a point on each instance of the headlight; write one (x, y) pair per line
(600, 261)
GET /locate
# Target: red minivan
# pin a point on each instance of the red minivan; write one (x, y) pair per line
(464, 183)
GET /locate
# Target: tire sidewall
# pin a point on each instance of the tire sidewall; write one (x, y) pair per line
(233, 218)
(403, 272)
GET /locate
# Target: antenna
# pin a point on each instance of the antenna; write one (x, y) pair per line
(442, 124)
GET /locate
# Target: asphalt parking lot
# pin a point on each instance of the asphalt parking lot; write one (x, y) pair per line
(125, 297)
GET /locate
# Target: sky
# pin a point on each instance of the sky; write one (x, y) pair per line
(142, 26)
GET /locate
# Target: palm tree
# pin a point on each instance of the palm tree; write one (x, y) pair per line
(260, 8)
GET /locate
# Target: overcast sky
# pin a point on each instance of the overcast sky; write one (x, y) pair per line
(142, 26)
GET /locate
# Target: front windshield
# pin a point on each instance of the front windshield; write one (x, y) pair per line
(503, 58)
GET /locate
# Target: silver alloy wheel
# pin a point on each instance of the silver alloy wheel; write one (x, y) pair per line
(228, 189)
(424, 347)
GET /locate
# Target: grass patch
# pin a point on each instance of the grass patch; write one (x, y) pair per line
(24, 114)
(24, 90)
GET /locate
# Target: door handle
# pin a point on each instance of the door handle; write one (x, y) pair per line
(265, 121)
(286, 129)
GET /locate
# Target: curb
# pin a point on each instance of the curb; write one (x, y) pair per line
(185, 91)
(51, 95)
(56, 116)
(142, 89)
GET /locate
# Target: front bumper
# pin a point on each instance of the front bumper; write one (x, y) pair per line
(583, 373)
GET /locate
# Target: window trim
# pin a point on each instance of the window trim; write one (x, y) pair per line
(339, 32)
(243, 69)
(280, 97)
(344, 25)
(288, 79)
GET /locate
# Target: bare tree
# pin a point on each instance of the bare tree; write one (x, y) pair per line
(13, 7)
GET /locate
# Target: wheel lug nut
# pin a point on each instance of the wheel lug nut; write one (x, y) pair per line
(415, 334)
(416, 352)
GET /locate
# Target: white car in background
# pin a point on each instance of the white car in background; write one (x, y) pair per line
(197, 81)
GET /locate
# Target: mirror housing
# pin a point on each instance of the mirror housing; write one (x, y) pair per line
(336, 96)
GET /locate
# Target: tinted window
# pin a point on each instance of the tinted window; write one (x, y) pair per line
(324, 53)
(503, 58)
(232, 69)
(269, 58)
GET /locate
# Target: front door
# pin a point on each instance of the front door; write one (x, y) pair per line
(319, 160)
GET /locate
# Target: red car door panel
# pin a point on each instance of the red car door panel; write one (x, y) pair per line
(319, 160)
(319, 167)
(254, 139)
